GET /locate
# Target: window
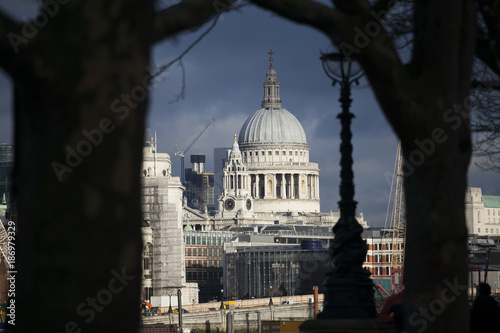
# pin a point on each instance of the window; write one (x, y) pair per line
(250, 153)
(277, 153)
(296, 153)
(189, 252)
(269, 153)
(262, 153)
(290, 153)
(284, 153)
(486, 230)
(478, 230)
(491, 230)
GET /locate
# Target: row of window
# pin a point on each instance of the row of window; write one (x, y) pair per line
(385, 246)
(378, 258)
(203, 263)
(486, 230)
(206, 240)
(270, 153)
(380, 270)
(493, 212)
(197, 276)
(210, 252)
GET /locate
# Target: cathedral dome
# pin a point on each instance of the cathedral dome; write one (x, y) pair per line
(272, 126)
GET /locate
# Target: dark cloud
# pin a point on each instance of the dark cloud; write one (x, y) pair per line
(224, 77)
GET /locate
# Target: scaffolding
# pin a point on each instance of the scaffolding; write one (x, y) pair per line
(397, 223)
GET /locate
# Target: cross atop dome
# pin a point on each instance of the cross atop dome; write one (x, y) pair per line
(271, 58)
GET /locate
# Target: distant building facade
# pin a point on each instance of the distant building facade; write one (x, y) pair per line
(482, 213)
(164, 264)
(6, 168)
(204, 260)
(221, 157)
(199, 184)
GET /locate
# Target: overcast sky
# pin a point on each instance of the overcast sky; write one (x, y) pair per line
(224, 77)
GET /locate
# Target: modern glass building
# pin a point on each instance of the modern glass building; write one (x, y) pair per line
(204, 255)
(272, 271)
(6, 168)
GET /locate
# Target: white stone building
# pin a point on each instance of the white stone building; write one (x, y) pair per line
(164, 265)
(482, 213)
(268, 171)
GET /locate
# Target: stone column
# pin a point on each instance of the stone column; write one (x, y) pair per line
(274, 185)
(257, 186)
(317, 186)
(283, 186)
(292, 187)
(297, 194)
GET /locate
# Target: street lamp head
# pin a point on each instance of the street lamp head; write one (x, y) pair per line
(340, 68)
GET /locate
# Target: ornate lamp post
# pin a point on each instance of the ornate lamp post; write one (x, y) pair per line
(270, 295)
(169, 302)
(222, 299)
(349, 291)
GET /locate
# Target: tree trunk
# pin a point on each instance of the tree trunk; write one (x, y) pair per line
(81, 87)
(435, 275)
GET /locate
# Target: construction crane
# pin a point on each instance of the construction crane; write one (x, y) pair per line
(182, 153)
(397, 224)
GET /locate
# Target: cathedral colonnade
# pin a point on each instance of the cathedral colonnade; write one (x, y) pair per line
(275, 185)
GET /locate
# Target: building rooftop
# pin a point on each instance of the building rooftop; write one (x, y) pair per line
(491, 201)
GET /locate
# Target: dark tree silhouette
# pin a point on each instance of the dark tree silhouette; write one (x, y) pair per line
(81, 75)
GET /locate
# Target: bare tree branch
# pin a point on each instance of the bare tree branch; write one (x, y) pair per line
(7, 54)
(307, 12)
(488, 37)
(189, 14)
(378, 56)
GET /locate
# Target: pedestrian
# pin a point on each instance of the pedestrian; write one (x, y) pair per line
(485, 312)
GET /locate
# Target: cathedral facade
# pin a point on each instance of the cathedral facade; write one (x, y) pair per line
(268, 171)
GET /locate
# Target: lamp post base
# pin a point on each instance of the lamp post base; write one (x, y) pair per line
(349, 296)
